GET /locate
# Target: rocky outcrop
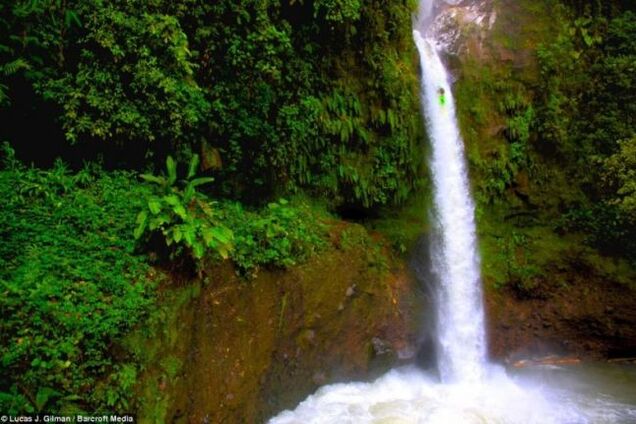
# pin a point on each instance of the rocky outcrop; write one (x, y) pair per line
(460, 27)
(587, 316)
(253, 348)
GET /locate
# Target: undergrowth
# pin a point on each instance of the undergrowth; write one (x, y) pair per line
(280, 235)
(74, 281)
(71, 286)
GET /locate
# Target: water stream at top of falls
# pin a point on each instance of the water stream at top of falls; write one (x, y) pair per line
(468, 389)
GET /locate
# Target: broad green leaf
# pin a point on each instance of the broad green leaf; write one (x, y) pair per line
(188, 235)
(153, 179)
(223, 251)
(154, 205)
(158, 221)
(198, 250)
(200, 181)
(188, 193)
(171, 166)
(163, 218)
(142, 218)
(172, 199)
(208, 235)
(180, 211)
(169, 240)
(194, 163)
(223, 234)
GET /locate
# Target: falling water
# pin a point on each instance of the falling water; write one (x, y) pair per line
(460, 315)
(469, 389)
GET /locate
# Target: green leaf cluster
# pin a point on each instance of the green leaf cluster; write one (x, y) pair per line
(619, 178)
(133, 80)
(280, 235)
(119, 71)
(184, 217)
(338, 11)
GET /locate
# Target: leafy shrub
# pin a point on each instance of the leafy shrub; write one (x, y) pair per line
(184, 217)
(619, 179)
(132, 77)
(589, 76)
(70, 286)
(338, 10)
(280, 235)
(606, 227)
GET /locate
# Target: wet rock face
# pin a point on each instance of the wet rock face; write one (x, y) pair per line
(460, 26)
(262, 346)
(590, 318)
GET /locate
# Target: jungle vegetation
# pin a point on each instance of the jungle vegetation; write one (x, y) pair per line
(144, 139)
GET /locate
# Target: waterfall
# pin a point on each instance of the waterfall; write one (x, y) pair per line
(459, 306)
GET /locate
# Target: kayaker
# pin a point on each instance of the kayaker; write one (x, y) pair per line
(442, 96)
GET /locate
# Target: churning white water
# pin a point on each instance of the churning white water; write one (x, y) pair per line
(468, 388)
(410, 396)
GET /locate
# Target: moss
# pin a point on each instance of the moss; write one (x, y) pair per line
(403, 226)
(160, 347)
(523, 254)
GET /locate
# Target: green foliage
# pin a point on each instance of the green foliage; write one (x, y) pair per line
(551, 142)
(300, 95)
(355, 236)
(610, 223)
(134, 79)
(338, 11)
(619, 178)
(588, 83)
(522, 275)
(503, 163)
(185, 218)
(8, 69)
(120, 71)
(588, 117)
(549, 146)
(290, 108)
(605, 228)
(498, 119)
(116, 390)
(279, 235)
(71, 287)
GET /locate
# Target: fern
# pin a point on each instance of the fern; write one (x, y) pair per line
(13, 67)
(4, 99)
